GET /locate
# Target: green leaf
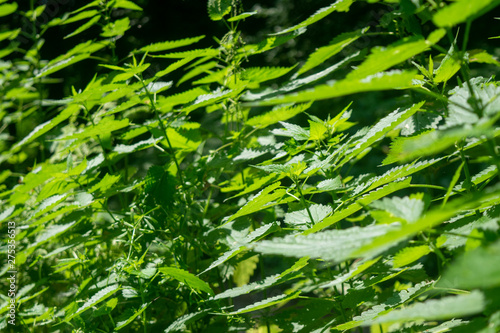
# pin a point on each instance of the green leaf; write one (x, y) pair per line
(410, 254)
(7, 9)
(52, 68)
(318, 212)
(381, 81)
(122, 323)
(334, 245)
(477, 268)
(265, 303)
(212, 98)
(317, 130)
(168, 45)
(442, 309)
(262, 74)
(450, 65)
(200, 69)
(330, 184)
(124, 149)
(46, 126)
(106, 125)
(339, 5)
(242, 16)
(49, 204)
(84, 26)
(106, 308)
(279, 114)
(225, 257)
(180, 323)
(116, 28)
(11, 34)
(376, 132)
(94, 3)
(432, 142)
(395, 300)
(265, 283)
(461, 108)
(406, 208)
(248, 288)
(478, 178)
(262, 200)
(217, 9)
(359, 204)
(382, 59)
(292, 131)
(434, 218)
(244, 271)
(324, 53)
(172, 67)
(130, 72)
(461, 11)
(105, 183)
(96, 298)
(187, 137)
(126, 4)
(6, 213)
(482, 56)
(50, 233)
(239, 246)
(199, 53)
(269, 43)
(187, 278)
(80, 16)
(297, 83)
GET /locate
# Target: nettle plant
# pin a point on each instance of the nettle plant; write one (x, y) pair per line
(143, 205)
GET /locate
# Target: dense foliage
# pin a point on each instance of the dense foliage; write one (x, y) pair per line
(238, 183)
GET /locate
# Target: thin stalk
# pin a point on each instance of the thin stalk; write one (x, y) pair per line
(304, 202)
(468, 179)
(162, 126)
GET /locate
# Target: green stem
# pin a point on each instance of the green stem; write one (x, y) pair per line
(302, 199)
(468, 179)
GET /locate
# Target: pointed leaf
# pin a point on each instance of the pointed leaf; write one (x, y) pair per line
(380, 129)
(96, 298)
(444, 308)
(52, 68)
(7, 9)
(406, 208)
(462, 10)
(84, 26)
(382, 59)
(334, 245)
(279, 114)
(122, 323)
(217, 9)
(187, 278)
(180, 323)
(242, 16)
(324, 53)
(410, 254)
(262, 74)
(260, 201)
(359, 204)
(318, 212)
(47, 126)
(168, 45)
(127, 5)
(377, 82)
(265, 303)
(339, 5)
(477, 268)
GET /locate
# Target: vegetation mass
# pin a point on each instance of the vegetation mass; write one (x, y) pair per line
(333, 171)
